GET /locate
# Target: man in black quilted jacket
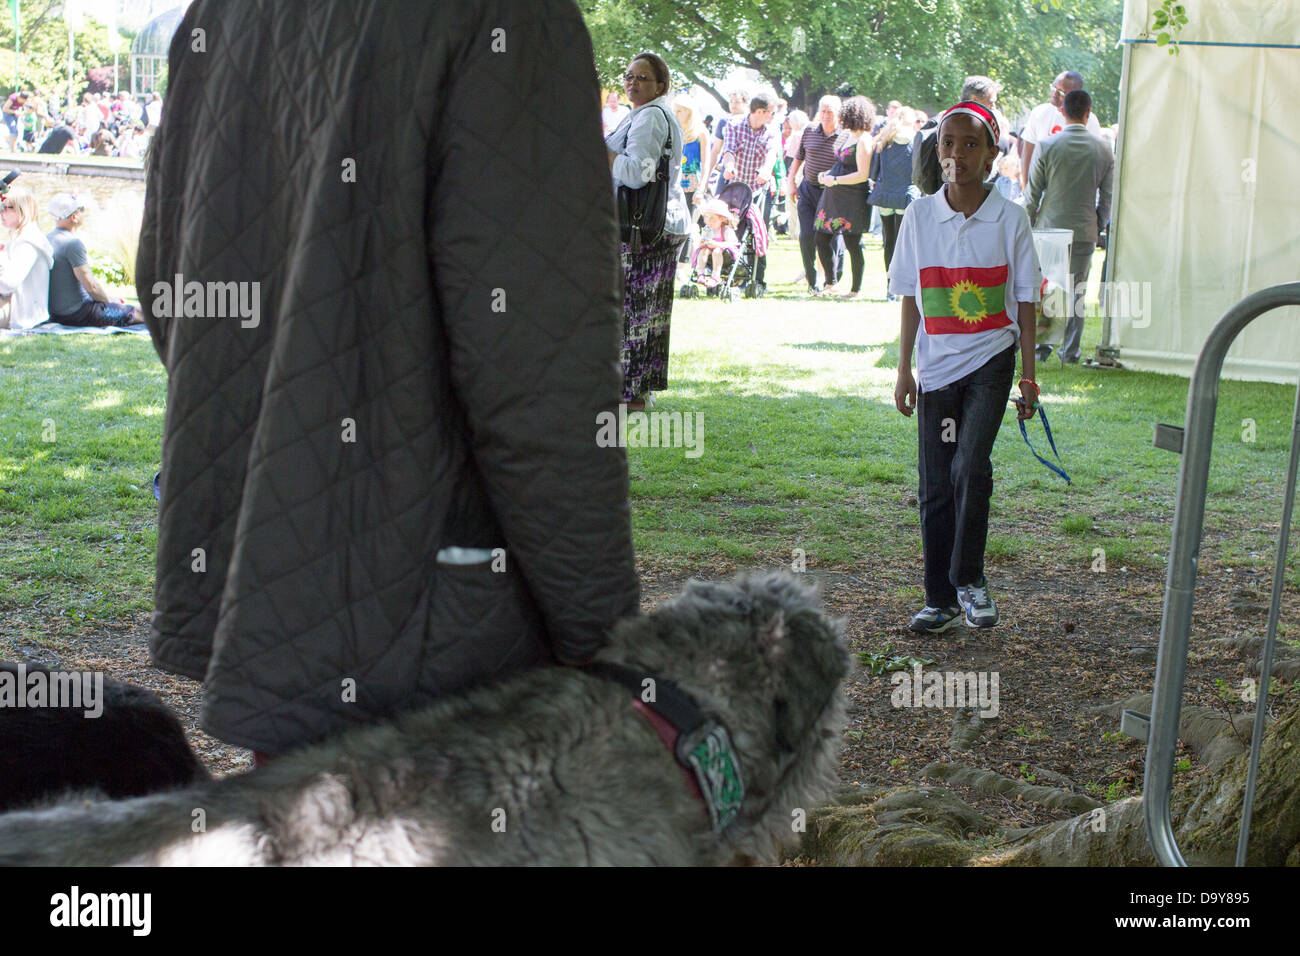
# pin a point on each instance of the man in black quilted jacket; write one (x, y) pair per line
(389, 327)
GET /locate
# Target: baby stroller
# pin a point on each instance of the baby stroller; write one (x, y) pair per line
(738, 272)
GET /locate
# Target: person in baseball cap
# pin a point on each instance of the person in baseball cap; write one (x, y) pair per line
(77, 297)
(64, 205)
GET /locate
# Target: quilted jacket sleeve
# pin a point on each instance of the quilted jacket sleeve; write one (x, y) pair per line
(160, 200)
(525, 260)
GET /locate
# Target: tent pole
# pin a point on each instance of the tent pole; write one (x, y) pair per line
(1107, 348)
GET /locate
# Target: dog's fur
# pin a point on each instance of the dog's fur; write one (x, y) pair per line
(558, 756)
(134, 747)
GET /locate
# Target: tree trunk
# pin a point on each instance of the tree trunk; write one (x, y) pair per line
(922, 826)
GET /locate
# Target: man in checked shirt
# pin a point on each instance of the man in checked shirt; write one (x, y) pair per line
(749, 151)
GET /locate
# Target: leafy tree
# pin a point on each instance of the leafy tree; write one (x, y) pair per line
(917, 51)
(43, 57)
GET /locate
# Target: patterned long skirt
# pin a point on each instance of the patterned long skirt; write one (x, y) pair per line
(648, 281)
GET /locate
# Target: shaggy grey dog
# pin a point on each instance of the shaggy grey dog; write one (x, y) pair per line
(555, 766)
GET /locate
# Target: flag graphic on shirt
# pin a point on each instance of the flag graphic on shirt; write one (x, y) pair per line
(959, 301)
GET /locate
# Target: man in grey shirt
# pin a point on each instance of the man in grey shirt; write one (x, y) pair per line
(77, 297)
(1069, 188)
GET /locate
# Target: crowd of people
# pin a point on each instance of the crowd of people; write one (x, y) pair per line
(103, 124)
(850, 169)
(955, 199)
(46, 277)
(475, 426)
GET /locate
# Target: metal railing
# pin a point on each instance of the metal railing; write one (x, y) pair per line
(1194, 441)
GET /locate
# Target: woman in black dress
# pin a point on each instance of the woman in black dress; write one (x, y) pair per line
(843, 206)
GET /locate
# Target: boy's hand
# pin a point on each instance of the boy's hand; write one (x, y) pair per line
(1027, 403)
(905, 392)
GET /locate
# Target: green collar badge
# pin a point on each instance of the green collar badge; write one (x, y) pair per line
(710, 754)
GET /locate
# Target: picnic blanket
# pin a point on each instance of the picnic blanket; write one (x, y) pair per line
(54, 328)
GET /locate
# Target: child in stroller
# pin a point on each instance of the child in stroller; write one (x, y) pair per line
(737, 199)
(721, 223)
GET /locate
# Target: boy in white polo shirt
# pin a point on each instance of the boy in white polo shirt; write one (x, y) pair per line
(966, 269)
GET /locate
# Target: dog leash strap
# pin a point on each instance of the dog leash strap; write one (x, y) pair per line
(703, 748)
(1042, 412)
(669, 699)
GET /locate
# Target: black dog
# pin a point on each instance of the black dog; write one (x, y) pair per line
(134, 747)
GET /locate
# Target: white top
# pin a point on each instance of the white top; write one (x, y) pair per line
(639, 141)
(131, 146)
(92, 117)
(153, 110)
(973, 273)
(610, 118)
(1046, 120)
(25, 274)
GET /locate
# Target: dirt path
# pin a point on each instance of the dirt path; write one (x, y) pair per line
(1068, 641)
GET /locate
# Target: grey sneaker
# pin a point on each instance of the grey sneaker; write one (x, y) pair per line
(978, 604)
(934, 620)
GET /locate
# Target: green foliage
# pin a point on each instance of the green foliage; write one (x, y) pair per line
(1117, 791)
(110, 273)
(882, 662)
(1226, 691)
(918, 52)
(1168, 21)
(43, 53)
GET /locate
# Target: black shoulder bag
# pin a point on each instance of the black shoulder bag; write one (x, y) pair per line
(927, 175)
(642, 212)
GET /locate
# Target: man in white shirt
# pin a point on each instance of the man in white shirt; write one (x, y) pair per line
(1070, 188)
(613, 113)
(1046, 119)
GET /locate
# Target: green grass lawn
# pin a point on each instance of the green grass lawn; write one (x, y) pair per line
(802, 449)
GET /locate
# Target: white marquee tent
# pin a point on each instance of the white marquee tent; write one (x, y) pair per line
(1207, 204)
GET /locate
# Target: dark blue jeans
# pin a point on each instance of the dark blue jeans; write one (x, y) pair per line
(958, 425)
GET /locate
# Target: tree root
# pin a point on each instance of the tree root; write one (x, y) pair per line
(1212, 736)
(967, 725)
(929, 826)
(987, 781)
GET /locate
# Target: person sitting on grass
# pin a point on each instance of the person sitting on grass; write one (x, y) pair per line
(721, 222)
(77, 297)
(964, 265)
(132, 143)
(102, 142)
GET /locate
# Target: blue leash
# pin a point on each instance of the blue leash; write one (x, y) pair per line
(1042, 412)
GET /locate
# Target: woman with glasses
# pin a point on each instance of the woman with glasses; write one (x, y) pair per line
(634, 149)
(24, 263)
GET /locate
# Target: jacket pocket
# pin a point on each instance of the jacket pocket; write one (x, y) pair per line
(482, 625)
